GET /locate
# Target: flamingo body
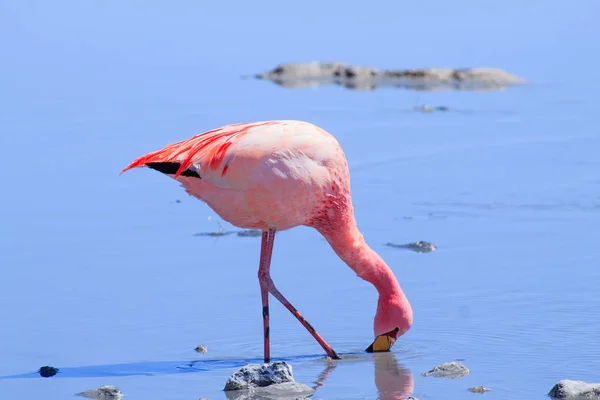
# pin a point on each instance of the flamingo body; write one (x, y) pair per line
(276, 175)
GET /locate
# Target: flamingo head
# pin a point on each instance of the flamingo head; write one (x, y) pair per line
(393, 319)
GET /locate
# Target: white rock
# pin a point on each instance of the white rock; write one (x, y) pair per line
(575, 390)
(102, 393)
(454, 370)
(260, 375)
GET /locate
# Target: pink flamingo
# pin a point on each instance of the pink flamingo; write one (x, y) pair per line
(276, 175)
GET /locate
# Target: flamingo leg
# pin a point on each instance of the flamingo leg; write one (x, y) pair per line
(264, 276)
(266, 249)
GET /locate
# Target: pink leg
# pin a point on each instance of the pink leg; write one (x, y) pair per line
(266, 249)
(264, 276)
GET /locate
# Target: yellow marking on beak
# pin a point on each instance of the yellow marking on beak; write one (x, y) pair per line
(383, 342)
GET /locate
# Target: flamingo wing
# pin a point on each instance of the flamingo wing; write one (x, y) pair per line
(205, 152)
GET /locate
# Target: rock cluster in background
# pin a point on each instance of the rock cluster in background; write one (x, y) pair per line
(296, 75)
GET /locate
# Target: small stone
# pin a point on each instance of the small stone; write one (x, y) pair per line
(479, 389)
(453, 370)
(47, 371)
(260, 375)
(202, 349)
(102, 393)
(568, 389)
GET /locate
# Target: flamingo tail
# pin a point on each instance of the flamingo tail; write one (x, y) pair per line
(159, 161)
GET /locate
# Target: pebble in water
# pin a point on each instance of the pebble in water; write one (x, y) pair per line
(479, 389)
(453, 370)
(47, 371)
(202, 349)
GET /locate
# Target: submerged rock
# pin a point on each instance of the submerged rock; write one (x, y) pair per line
(250, 233)
(427, 108)
(102, 393)
(260, 375)
(419, 246)
(479, 389)
(574, 390)
(47, 371)
(453, 370)
(243, 233)
(283, 391)
(369, 78)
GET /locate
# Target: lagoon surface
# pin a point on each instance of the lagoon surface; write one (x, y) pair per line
(105, 277)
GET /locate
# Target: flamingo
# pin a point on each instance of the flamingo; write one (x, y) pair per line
(277, 175)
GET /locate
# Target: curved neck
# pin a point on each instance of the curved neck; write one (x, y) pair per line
(349, 244)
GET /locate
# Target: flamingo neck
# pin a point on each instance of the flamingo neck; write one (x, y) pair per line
(349, 244)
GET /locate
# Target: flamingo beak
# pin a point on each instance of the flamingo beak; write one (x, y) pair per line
(383, 342)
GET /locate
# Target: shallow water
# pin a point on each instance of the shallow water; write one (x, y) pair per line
(110, 279)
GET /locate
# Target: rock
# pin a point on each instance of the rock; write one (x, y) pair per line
(202, 349)
(419, 247)
(479, 389)
(47, 371)
(260, 375)
(102, 393)
(283, 391)
(369, 78)
(573, 390)
(453, 370)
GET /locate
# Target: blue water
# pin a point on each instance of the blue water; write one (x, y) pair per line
(104, 277)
